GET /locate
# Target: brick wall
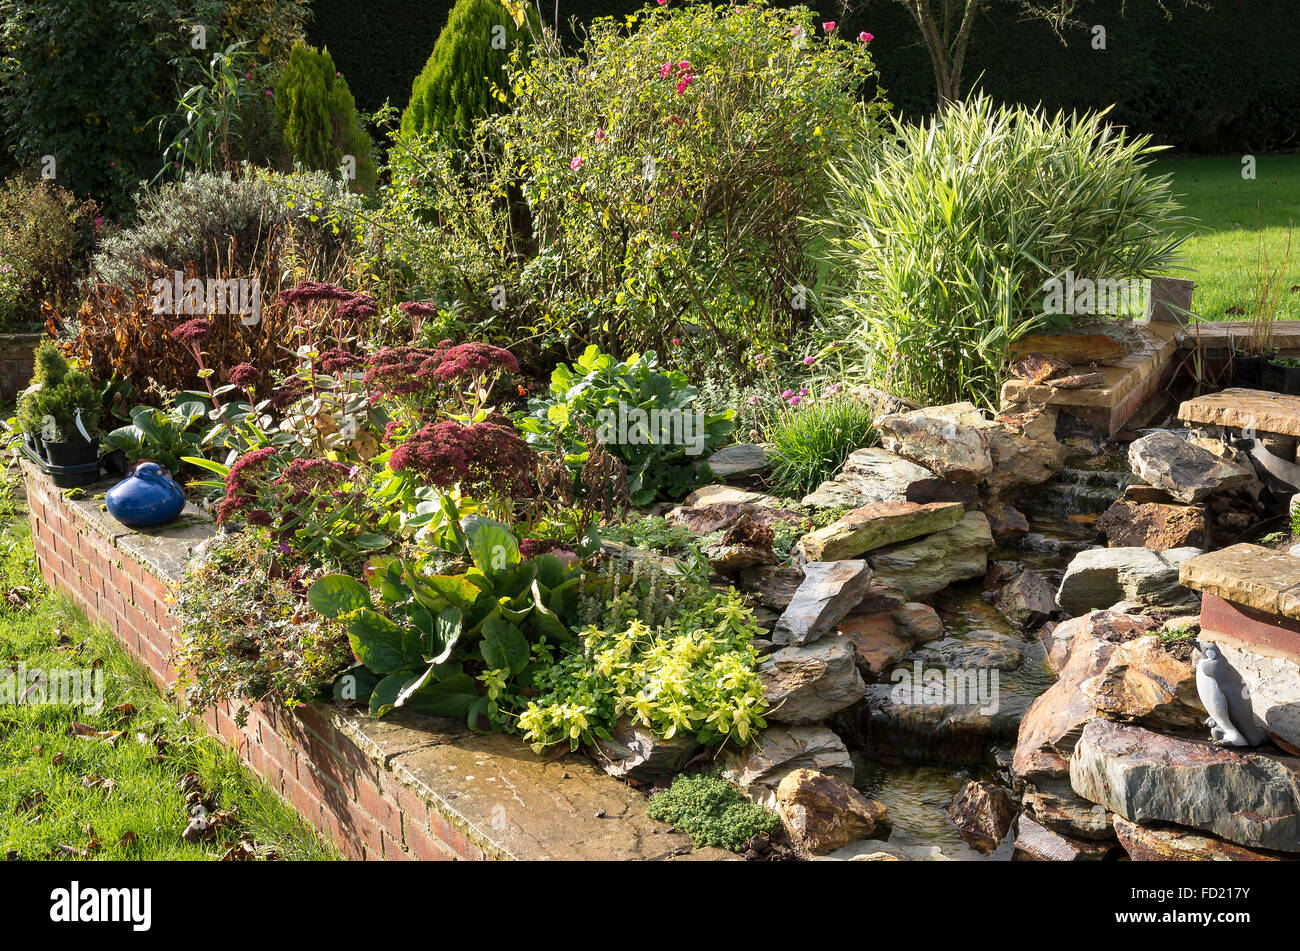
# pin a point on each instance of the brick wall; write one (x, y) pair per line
(16, 363)
(345, 792)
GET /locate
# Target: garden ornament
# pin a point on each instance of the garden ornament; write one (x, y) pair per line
(146, 498)
(1225, 698)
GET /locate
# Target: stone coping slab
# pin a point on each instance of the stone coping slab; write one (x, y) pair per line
(1227, 334)
(1241, 408)
(1249, 575)
(1158, 345)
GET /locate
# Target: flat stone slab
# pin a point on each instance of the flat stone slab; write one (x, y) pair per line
(1172, 844)
(1249, 575)
(877, 525)
(516, 805)
(1240, 408)
(928, 566)
(1252, 799)
(742, 461)
(870, 475)
(1187, 471)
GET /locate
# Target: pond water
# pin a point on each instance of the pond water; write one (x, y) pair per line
(917, 793)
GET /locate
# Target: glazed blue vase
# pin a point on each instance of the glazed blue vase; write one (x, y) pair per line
(146, 498)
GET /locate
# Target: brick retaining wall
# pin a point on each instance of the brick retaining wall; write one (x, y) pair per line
(404, 787)
(17, 361)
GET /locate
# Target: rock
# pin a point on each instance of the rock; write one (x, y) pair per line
(1152, 525)
(975, 650)
(950, 720)
(829, 591)
(1245, 409)
(1039, 367)
(1172, 844)
(808, 684)
(1072, 348)
(877, 525)
(740, 462)
(1249, 575)
(1187, 472)
(634, 752)
(759, 768)
(1111, 626)
(982, 813)
(879, 597)
(1144, 682)
(728, 560)
(918, 622)
(883, 638)
(1079, 381)
(1005, 520)
(877, 645)
(1141, 493)
(720, 516)
(951, 441)
(709, 495)
(874, 475)
(1027, 600)
(823, 813)
(1099, 577)
(1025, 452)
(770, 586)
(1248, 798)
(1054, 721)
(928, 566)
(1273, 684)
(1037, 844)
(1054, 805)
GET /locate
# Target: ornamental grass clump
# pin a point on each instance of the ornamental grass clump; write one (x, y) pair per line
(941, 237)
(810, 439)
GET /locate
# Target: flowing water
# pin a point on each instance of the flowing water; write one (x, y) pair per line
(917, 794)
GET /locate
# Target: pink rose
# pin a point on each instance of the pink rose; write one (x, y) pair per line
(576, 163)
(829, 26)
(664, 70)
(865, 37)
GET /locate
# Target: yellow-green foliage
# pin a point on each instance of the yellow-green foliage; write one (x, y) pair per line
(319, 116)
(455, 86)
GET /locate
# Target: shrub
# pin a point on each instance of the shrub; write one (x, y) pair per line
(944, 234)
(662, 168)
(45, 240)
(319, 117)
(54, 409)
(643, 415)
(456, 86)
(812, 438)
(712, 812)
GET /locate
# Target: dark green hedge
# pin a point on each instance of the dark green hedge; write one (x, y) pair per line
(1219, 79)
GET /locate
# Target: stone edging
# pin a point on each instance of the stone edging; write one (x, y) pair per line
(404, 787)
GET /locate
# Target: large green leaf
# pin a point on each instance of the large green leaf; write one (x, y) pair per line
(355, 684)
(456, 590)
(386, 693)
(492, 546)
(450, 697)
(334, 595)
(444, 635)
(377, 642)
(504, 646)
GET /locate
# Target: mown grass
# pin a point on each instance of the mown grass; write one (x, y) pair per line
(65, 796)
(1234, 216)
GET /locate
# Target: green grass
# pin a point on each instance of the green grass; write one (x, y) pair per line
(50, 798)
(1233, 215)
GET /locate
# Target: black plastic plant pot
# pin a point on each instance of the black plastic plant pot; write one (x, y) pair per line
(75, 452)
(1279, 378)
(36, 444)
(1248, 372)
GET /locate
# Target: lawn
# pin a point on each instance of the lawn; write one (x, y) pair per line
(1233, 215)
(117, 790)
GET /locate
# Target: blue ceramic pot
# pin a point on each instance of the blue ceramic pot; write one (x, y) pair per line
(146, 498)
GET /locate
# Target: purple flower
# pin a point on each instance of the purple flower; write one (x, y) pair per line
(786, 394)
(809, 361)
